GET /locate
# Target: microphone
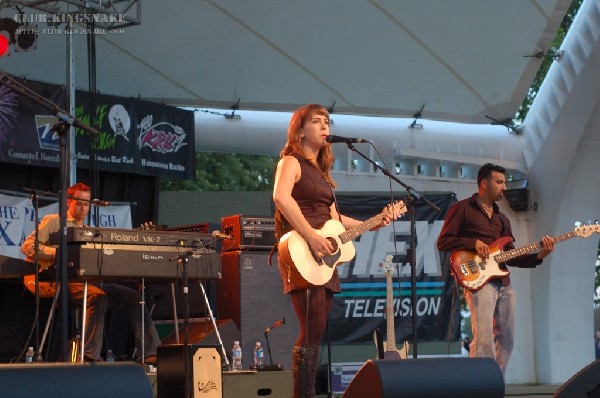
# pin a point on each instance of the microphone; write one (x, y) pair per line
(332, 139)
(219, 235)
(275, 325)
(98, 202)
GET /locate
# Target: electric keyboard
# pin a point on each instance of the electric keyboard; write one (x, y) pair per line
(121, 262)
(133, 254)
(134, 237)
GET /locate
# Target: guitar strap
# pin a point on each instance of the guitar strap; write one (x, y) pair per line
(336, 203)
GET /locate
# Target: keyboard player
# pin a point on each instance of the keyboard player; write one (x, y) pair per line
(99, 299)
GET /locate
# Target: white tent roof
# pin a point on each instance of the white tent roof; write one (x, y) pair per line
(460, 60)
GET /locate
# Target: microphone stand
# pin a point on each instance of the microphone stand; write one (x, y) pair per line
(413, 197)
(329, 368)
(62, 127)
(36, 260)
(268, 347)
(267, 331)
(206, 249)
(183, 259)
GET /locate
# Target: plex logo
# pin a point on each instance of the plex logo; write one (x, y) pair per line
(374, 248)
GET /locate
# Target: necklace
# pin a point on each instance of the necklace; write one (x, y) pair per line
(489, 210)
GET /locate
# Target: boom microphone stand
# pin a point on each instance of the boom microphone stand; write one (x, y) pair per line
(182, 258)
(267, 331)
(413, 197)
(36, 261)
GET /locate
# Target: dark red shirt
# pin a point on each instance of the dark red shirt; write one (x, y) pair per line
(466, 222)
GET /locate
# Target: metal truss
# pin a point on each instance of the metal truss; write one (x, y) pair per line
(107, 14)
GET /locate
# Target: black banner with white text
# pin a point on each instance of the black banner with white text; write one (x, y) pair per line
(361, 307)
(136, 136)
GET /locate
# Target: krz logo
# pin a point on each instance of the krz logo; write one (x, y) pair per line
(162, 137)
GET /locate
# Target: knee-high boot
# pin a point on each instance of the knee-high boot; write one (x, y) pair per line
(304, 371)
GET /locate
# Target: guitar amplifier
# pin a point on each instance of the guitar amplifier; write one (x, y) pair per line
(248, 232)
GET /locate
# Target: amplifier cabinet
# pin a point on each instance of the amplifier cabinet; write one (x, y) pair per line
(248, 232)
(251, 294)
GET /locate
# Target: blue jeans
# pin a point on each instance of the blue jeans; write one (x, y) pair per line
(493, 322)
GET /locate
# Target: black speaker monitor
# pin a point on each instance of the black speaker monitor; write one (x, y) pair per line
(585, 383)
(428, 378)
(59, 380)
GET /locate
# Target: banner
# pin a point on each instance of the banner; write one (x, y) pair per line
(136, 136)
(17, 220)
(361, 307)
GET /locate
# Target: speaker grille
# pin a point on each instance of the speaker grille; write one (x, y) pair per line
(251, 293)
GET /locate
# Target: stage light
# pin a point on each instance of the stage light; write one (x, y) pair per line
(26, 38)
(4, 43)
(517, 194)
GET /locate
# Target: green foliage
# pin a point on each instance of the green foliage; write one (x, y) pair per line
(597, 282)
(227, 172)
(548, 59)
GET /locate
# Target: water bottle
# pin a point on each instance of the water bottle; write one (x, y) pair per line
(110, 357)
(29, 355)
(236, 355)
(259, 354)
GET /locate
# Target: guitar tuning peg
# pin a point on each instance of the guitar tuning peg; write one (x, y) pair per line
(577, 224)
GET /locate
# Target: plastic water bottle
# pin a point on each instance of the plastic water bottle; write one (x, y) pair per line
(29, 355)
(110, 357)
(259, 354)
(236, 355)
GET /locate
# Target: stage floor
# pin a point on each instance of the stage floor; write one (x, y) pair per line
(513, 390)
(530, 391)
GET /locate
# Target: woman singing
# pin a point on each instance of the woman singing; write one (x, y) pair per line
(303, 196)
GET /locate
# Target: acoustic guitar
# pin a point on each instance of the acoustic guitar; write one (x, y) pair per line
(305, 269)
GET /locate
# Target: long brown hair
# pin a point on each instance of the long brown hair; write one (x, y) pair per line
(293, 145)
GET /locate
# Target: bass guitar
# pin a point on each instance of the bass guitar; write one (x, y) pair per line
(305, 269)
(472, 272)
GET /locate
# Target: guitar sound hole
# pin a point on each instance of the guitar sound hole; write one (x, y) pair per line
(334, 244)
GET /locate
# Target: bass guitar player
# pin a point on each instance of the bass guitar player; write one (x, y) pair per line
(474, 224)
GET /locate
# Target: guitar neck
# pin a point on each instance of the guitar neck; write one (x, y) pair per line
(514, 253)
(391, 331)
(361, 228)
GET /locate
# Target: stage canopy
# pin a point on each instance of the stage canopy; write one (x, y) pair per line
(457, 60)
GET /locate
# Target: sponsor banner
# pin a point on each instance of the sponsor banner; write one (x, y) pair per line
(12, 222)
(136, 136)
(17, 220)
(361, 307)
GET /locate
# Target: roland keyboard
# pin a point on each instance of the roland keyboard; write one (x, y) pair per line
(134, 237)
(133, 254)
(121, 262)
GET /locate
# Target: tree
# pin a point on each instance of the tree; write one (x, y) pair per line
(227, 172)
(547, 58)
